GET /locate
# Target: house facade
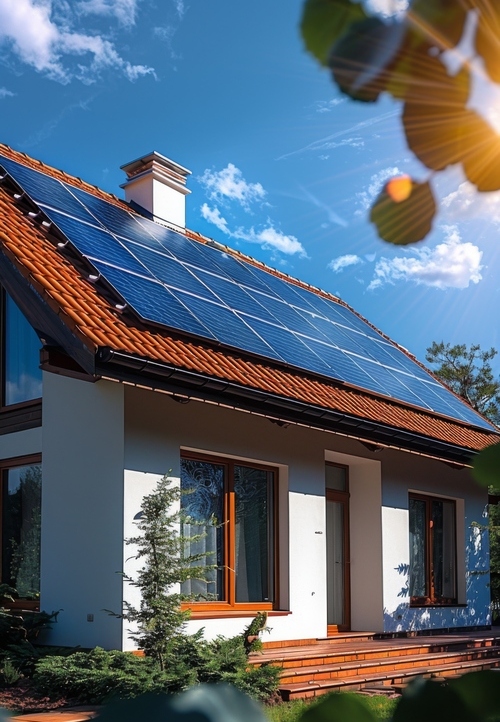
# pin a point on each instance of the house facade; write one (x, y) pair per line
(330, 505)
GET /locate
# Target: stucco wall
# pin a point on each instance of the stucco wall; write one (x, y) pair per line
(105, 445)
(402, 474)
(157, 428)
(82, 509)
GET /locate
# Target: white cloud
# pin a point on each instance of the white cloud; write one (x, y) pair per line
(268, 237)
(366, 197)
(338, 264)
(451, 264)
(326, 106)
(212, 215)
(123, 10)
(387, 8)
(466, 202)
(180, 7)
(39, 41)
(4, 93)
(229, 185)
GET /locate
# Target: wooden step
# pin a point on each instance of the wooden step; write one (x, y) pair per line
(390, 678)
(323, 653)
(421, 662)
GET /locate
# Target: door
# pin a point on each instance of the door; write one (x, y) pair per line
(337, 548)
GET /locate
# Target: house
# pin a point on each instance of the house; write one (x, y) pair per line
(337, 467)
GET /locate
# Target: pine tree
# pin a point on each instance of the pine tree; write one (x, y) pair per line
(161, 546)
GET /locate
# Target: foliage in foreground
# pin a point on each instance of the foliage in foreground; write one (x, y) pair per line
(473, 697)
(408, 57)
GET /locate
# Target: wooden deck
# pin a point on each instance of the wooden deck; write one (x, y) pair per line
(363, 661)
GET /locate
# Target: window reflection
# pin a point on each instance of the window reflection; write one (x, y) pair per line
(22, 375)
(20, 518)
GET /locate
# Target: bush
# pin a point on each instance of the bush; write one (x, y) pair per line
(96, 676)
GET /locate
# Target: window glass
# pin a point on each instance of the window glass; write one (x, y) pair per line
(433, 557)
(229, 509)
(21, 516)
(418, 551)
(202, 484)
(335, 477)
(22, 375)
(254, 512)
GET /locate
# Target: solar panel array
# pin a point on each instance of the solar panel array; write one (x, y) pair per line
(182, 284)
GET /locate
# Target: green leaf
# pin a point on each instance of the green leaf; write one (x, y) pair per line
(434, 135)
(324, 21)
(480, 691)
(362, 57)
(204, 703)
(486, 466)
(441, 22)
(342, 707)
(431, 701)
(406, 221)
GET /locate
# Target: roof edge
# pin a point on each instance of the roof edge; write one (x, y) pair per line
(126, 367)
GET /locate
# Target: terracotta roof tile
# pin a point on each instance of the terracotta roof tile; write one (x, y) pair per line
(96, 322)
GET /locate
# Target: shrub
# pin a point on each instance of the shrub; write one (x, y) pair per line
(96, 676)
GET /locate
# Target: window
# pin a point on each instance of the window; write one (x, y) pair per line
(232, 504)
(433, 555)
(20, 515)
(21, 375)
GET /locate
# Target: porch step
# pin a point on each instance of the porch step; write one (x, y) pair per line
(355, 662)
(425, 662)
(325, 652)
(392, 679)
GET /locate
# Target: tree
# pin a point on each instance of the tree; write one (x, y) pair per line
(160, 619)
(467, 370)
(407, 58)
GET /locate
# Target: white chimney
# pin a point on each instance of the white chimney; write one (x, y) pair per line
(158, 184)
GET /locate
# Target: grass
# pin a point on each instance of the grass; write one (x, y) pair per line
(381, 707)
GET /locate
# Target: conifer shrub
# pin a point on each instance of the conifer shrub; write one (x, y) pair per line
(174, 660)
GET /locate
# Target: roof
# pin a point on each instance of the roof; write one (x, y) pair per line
(108, 343)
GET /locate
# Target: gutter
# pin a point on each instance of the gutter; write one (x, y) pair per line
(133, 369)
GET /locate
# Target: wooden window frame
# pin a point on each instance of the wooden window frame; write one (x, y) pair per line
(430, 599)
(6, 465)
(6, 408)
(231, 606)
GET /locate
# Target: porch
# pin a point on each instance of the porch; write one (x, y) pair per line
(377, 663)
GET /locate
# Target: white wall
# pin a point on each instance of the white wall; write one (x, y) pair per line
(402, 474)
(157, 428)
(21, 443)
(365, 540)
(82, 509)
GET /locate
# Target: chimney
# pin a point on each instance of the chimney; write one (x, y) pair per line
(158, 185)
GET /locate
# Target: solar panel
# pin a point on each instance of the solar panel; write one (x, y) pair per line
(192, 287)
(45, 191)
(152, 301)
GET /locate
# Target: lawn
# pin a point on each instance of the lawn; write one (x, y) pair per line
(381, 706)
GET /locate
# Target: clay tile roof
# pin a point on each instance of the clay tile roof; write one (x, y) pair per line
(97, 323)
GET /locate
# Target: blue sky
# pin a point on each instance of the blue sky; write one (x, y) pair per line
(284, 168)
